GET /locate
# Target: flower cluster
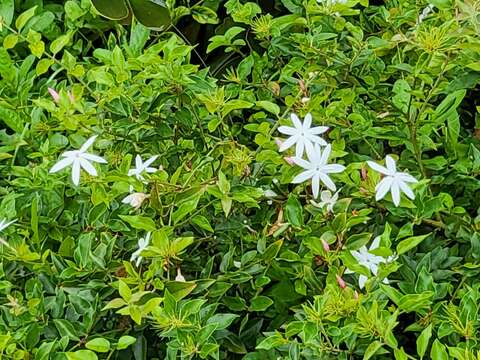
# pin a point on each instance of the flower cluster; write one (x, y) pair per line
(317, 169)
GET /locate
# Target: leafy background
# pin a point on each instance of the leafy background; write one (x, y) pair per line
(206, 88)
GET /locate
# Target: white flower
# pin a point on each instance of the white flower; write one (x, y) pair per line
(327, 199)
(370, 261)
(301, 135)
(79, 159)
(425, 13)
(142, 245)
(317, 169)
(141, 167)
(394, 181)
(136, 199)
(179, 276)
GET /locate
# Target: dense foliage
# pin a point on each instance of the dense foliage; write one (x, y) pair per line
(190, 234)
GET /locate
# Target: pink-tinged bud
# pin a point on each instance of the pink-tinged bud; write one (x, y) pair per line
(289, 160)
(355, 295)
(325, 245)
(278, 142)
(54, 94)
(340, 282)
(70, 96)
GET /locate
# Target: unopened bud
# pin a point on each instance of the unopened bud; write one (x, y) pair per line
(289, 160)
(54, 94)
(305, 99)
(325, 245)
(340, 282)
(355, 295)
(70, 96)
(179, 276)
(278, 142)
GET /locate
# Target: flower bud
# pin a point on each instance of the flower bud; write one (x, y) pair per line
(54, 94)
(278, 142)
(340, 282)
(325, 245)
(135, 200)
(179, 276)
(289, 160)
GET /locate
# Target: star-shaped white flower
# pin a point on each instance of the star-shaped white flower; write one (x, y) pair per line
(142, 245)
(79, 159)
(317, 169)
(301, 135)
(141, 167)
(326, 199)
(136, 199)
(365, 258)
(393, 181)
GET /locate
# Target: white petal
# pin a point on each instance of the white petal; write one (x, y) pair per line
(4, 225)
(326, 154)
(85, 164)
(138, 162)
(378, 168)
(150, 170)
(362, 279)
(315, 185)
(301, 162)
(317, 130)
(406, 189)
(383, 187)
(374, 268)
(385, 281)
(88, 143)
(390, 164)
(333, 168)
(296, 121)
(128, 199)
(307, 122)
(304, 176)
(76, 172)
(147, 163)
(312, 154)
(327, 181)
(94, 158)
(375, 243)
(300, 147)
(395, 190)
(288, 130)
(288, 143)
(61, 164)
(317, 140)
(326, 195)
(406, 177)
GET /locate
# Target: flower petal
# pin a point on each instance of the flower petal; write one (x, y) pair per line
(362, 279)
(88, 143)
(375, 243)
(333, 168)
(138, 162)
(406, 189)
(296, 121)
(315, 185)
(392, 168)
(288, 130)
(89, 168)
(127, 199)
(373, 268)
(378, 168)
(288, 143)
(395, 193)
(303, 176)
(300, 147)
(326, 196)
(383, 187)
(302, 162)
(406, 177)
(150, 161)
(76, 172)
(307, 122)
(94, 158)
(327, 181)
(325, 154)
(317, 130)
(61, 164)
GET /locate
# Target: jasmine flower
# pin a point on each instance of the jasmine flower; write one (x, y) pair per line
(136, 199)
(141, 167)
(142, 245)
(327, 200)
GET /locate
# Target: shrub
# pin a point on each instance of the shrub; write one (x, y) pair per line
(163, 194)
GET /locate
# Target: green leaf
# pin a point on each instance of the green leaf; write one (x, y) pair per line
(59, 43)
(99, 345)
(222, 321)
(372, 349)
(65, 328)
(125, 341)
(260, 303)
(269, 106)
(124, 291)
(150, 14)
(23, 18)
(139, 222)
(7, 9)
(114, 10)
(271, 342)
(423, 339)
(115, 304)
(439, 351)
(223, 183)
(43, 65)
(294, 211)
(409, 243)
(204, 15)
(235, 104)
(81, 355)
(12, 119)
(202, 222)
(400, 354)
(10, 41)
